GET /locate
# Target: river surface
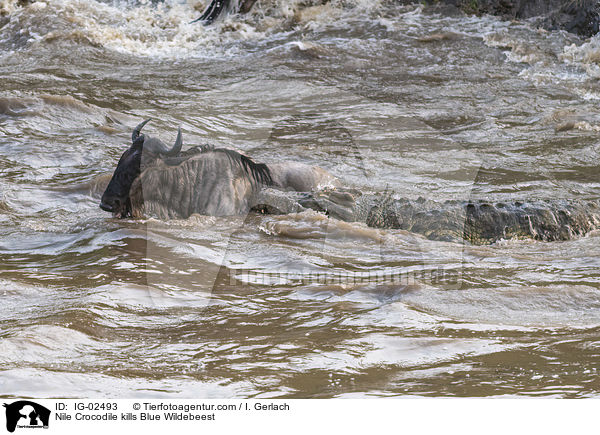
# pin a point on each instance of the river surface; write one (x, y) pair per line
(385, 97)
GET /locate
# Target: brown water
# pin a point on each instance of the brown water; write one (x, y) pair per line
(381, 95)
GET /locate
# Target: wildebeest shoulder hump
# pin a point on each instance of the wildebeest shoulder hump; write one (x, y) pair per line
(258, 172)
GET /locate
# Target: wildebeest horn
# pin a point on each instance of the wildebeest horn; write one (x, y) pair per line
(136, 131)
(177, 147)
(155, 145)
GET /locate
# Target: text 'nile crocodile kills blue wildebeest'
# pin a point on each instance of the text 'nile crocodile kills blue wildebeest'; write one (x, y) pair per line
(152, 179)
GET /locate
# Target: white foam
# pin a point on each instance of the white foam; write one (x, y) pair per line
(586, 55)
(8, 6)
(165, 30)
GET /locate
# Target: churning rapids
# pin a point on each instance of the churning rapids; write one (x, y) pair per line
(385, 97)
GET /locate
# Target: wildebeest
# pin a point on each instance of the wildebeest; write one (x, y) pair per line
(154, 179)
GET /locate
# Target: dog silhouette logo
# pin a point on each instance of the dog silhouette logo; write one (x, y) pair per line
(26, 414)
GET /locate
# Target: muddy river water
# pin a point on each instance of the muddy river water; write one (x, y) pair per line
(384, 96)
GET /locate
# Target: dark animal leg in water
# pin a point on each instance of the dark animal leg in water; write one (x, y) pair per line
(213, 11)
(246, 5)
(217, 7)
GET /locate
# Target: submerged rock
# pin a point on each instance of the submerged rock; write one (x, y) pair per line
(576, 16)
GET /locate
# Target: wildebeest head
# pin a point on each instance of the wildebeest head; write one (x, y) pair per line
(116, 196)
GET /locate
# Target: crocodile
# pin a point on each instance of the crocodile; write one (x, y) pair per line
(475, 221)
